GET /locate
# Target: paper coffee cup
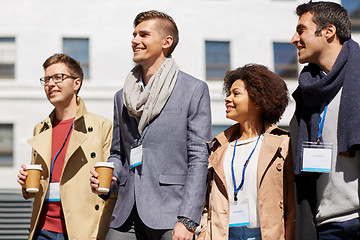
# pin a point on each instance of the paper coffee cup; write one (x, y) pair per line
(105, 173)
(32, 182)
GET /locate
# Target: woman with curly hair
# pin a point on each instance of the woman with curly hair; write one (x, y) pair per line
(250, 191)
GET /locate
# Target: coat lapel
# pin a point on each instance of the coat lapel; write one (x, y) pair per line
(218, 165)
(268, 150)
(41, 144)
(78, 135)
(76, 140)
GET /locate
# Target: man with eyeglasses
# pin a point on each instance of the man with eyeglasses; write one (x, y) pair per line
(67, 144)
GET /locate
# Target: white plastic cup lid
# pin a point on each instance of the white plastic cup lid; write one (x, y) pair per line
(104, 164)
(34, 166)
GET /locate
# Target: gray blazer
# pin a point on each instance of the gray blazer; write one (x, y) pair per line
(171, 181)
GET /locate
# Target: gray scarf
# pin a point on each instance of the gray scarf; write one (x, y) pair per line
(146, 104)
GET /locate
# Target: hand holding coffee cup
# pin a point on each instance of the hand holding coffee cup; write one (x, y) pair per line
(22, 175)
(32, 182)
(104, 171)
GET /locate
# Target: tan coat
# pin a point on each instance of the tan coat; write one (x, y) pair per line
(275, 183)
(90, 140)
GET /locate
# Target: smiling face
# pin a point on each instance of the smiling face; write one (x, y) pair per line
(148, 43)
(61, 94)
(310, 45)
(239, 106)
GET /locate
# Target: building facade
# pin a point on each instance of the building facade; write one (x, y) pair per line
(215, 35)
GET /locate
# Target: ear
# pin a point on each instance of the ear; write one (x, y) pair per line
(77, 84)
(167, 42)
(330, 31)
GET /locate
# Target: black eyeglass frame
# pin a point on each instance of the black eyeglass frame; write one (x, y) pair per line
(45, 80)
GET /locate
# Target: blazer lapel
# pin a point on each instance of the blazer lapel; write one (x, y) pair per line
(268, 150)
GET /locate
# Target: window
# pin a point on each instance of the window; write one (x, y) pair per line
(353, 7)
(78, 48)
(216, 129)
(7, 57)
(285, 60)
(217, 59)
(6, 144)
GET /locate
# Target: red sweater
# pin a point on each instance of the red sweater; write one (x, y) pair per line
(52, 216)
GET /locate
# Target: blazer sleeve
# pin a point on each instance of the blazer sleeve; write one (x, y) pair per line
(198, 133)
(203, 234)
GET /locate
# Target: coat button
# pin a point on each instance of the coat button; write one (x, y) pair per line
(97, 207)
(93, 155)
(279, 167)
(281, 205)
(90, 129)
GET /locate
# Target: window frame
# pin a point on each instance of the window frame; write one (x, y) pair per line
(285, 66)
(76, 53)
(355, 21)
(6, 145)
(7, 57)
(218, 53)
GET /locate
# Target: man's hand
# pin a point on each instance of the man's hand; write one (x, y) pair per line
(94, 182)
(180, 232)
(22, 175)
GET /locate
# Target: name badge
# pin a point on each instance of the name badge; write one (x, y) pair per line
(135, 156)
(53, 193)
(239, 214)
(317, 157)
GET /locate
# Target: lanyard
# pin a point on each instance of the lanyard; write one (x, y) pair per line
(321, 123)
(139, 138)
(57, 154)
(237, 189)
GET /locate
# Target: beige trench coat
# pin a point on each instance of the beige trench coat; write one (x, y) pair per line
(85, 213)
(275, 182)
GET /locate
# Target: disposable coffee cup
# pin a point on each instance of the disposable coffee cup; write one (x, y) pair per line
(105, 173)
(32, 182)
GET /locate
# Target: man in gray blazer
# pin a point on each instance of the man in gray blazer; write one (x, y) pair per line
(162, 121)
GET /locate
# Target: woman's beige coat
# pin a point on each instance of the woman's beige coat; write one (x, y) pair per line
(275, 183)
(85, 213)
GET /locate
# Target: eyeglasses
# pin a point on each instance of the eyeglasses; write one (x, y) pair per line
(57, 78)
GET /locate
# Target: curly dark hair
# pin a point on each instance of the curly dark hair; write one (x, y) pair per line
(264, 87)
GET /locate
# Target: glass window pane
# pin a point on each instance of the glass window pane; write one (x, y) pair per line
(78, 48)
(7, 57)
(353, 7)
(6, 144)
(216, 129)
(285, 60)
(217, 59)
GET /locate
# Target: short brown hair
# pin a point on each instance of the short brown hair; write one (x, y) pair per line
(264, 87)
(166, 23)
(72, 65)
(326, 13)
